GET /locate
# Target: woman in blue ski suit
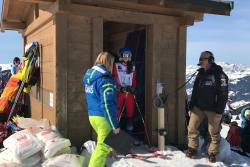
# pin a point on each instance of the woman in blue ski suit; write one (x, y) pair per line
(100, 91)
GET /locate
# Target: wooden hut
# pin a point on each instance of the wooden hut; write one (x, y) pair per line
(71, 34)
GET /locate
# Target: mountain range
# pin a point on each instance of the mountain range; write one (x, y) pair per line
(239, 81)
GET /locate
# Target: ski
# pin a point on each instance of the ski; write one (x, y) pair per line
(136, 156)
(155, 153)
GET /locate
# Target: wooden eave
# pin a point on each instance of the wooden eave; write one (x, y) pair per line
(15, 12)
(14, 15)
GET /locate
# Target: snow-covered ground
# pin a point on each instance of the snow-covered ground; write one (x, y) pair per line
(176, 158)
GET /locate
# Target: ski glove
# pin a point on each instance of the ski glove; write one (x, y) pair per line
(128, 89)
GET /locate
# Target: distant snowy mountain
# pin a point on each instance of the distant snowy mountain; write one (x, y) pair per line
(239, 80)
(6, 66)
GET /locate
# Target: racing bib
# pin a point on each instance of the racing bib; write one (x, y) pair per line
(124, 79)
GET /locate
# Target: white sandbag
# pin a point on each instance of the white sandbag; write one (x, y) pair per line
(65, 160)
(48, 134)
(9, 164)
(23, 144)
(33, 125)
(9, 156)
(52, 146)
(65, 150)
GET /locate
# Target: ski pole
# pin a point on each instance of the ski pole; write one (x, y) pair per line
(146, 131)
(123, 106)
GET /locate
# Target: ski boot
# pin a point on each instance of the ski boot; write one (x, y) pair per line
(129, 130)
(129, 126)
(212, 158)
(191, 153)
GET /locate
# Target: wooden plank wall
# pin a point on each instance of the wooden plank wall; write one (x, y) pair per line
(39, 94)
(79, 37)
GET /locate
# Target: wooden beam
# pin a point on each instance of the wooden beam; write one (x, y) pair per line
(39, 1)
(123, 5)
(60, 6)
(153, 71)
(123, 16)
(61, 73)
(36, 11)
(187, 21)
(127, 0)
(13, 25)
(5, 9)
(1, 27)
(152, 2)
(187, 6)
(205, 3)
(199, 17)
(180, 79)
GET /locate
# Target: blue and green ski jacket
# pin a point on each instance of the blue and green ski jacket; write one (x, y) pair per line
(100, 90)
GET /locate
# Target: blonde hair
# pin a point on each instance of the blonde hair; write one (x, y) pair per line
(105, 59)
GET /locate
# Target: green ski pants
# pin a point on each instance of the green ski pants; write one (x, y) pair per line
(102, 128)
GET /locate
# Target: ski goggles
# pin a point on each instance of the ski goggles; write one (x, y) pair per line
(17, 62)
(202, 59)
(126, 54)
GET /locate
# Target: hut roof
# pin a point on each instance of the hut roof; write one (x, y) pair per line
(15, 12)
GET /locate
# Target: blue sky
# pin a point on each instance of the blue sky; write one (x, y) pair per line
(228, 37)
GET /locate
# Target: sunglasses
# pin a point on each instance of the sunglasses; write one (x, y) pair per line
(202, 59)
(17, 62)
(126, 54)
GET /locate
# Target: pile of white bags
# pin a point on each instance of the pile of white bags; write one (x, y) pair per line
(54, 142)
(38, 145)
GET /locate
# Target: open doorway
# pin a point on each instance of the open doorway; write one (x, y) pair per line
(133, 36)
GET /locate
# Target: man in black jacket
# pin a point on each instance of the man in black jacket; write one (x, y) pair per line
(209, 98)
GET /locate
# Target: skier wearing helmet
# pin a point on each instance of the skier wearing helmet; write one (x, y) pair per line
(16, 63)
(245, 116)
(125, 79)
(245, 125)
